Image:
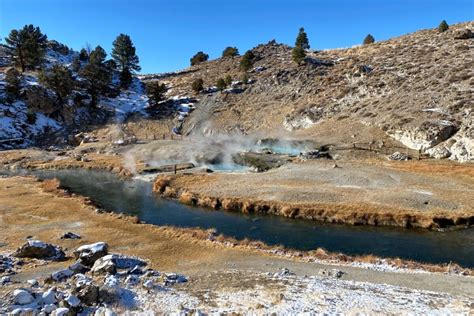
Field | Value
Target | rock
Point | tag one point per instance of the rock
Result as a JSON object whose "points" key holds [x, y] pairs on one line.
{"points": [[82, 280], [70, 235], [104, 265], [39, 250], [135, 270], [5, 280], [89, 294], [22, 297], [73, 300], [61, 275], [49, 297], [88, 254], [426, 135], [463, 34], [335, 273], [132, 280], [78, 267], [32, 282], [49, 308], [173, 278], [62, 311], [109, 292], [148, 284], [23, 311], [283, 272], [104, 311], [397, 156], [439, 152]]}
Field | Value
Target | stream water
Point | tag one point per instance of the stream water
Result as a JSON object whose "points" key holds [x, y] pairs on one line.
{"points": [[135, 197]]}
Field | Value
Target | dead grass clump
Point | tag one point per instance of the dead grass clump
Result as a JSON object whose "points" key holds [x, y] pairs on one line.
{"points": [[50, 185], [188, 198]]}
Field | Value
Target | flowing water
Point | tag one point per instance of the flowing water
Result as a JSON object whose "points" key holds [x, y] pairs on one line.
{"points": [[135, 197]]}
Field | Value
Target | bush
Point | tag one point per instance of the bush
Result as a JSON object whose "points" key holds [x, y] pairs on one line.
{"points": [[245, 78], [198, 58], [155, 91], [12, 84], [369, 39], [230, 52], [220, 84], [59, 79], [228, 80], [197, 85], [247, 61], [443, 26]]}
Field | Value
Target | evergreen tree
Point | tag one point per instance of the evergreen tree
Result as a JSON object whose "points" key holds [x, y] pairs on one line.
{"points": [[302, 39], [12, 84], [220, 84], [83, 55], [155, 91], [28, 45], [123, 53], [369, 39], [198, 58], [245, 78], [197, 85], [96, 74], [230, 52], [443, 26], [298, 54], [76, 64], [247, 61], [59, 79]]}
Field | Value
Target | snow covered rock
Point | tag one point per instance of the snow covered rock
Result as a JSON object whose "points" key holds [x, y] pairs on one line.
{"points": [[104, 311], [73, 300], [39, 250], [61, 275], [88, 254], [49, 308], [22, 297], [62, 311], [104, 265], [49, 297]]}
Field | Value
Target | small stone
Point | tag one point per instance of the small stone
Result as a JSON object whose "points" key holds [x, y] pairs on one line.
{"points": [[73, 300], [22, 297], [49, 308], [61, 275], [148, 284], [132, 279], [5, 280], [22, 311], [62, 311], [32, 282], [70, 235]]}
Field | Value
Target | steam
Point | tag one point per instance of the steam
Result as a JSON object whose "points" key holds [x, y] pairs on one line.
{"points": [[130, 163]]}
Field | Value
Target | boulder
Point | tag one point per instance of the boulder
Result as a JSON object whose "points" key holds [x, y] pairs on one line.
{"points": [[89, 294], [62, 311], [72, 300], [463, 34], [78, 267], [39, 250], [398, 156], [104, 311], [88, 254], [109, 292], [49, 308], [49, 297], [104, 265], [22, 297]]}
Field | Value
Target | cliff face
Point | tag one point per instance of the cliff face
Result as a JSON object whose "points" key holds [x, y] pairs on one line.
{"points": [[416, 88]]}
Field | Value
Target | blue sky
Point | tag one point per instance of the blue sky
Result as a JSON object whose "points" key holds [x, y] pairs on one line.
{"points": [[168, 33]]}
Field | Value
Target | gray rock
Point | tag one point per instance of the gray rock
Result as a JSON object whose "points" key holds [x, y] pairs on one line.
{"points": [[88, 294], [49, 308], [22, 297], [49, 297], [104, 311], [70, 235], [110, 291], [23, 311], [5, 280], [61, 311], [88, 254], [39, 250], [78, 267], [61, 275], [104, 265]]}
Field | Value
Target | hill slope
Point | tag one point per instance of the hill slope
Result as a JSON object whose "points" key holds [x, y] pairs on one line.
{"points": [[416, 89]]}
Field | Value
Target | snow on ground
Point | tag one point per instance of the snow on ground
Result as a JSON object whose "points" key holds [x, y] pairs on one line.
{"points": [[133, 100]]}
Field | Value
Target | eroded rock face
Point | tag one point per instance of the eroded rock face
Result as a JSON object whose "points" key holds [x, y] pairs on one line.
{"points": [[462, 149], [424, 136], [39, 250]]}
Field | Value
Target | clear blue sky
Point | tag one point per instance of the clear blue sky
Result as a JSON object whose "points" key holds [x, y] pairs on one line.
{"points": [[168, 33]]}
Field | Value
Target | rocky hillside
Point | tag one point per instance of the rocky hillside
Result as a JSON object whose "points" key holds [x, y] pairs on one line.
{"points": [[416, 89]]}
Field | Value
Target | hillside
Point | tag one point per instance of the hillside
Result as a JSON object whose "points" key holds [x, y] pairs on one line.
{"points": [[416, 89]]}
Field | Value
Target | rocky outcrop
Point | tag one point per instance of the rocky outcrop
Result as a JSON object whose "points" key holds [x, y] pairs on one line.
{"points": [[426, 135], [88, 254]]}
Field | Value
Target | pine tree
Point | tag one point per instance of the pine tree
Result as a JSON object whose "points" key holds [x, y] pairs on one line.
{"points": [[198, 58], [83, 55], [12, 84], [230, 52], [155, 91], [124, 54], [443, 26], [197, 85], [96, 74], [247, 61], [59, 79], [298, 54], [228, 80], [28, 45], [220, 84], [369, 39], [302, 39]]}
